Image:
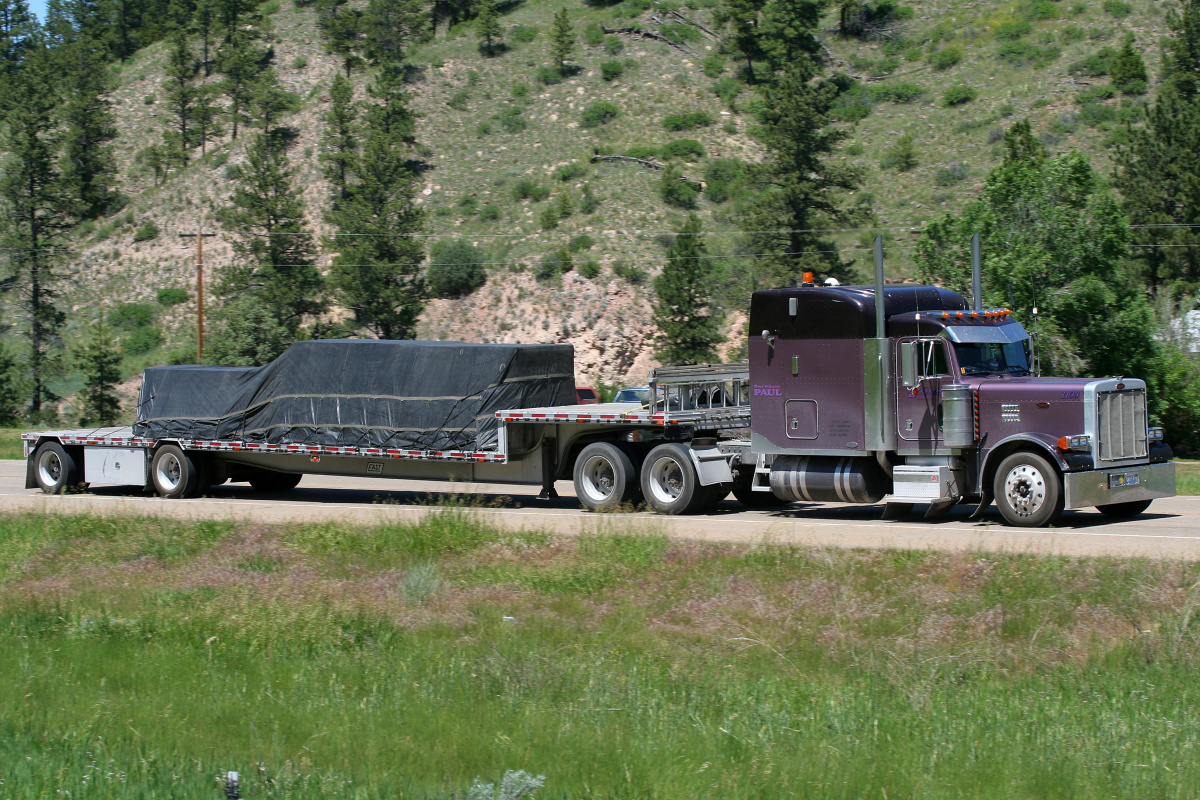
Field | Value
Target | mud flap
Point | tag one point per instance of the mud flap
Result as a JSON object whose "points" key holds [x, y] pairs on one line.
{"points": [[30, 481], [896, 510], [984, 502]]}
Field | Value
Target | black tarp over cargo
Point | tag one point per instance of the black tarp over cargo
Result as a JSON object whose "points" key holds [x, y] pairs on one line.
{"points": [[359, 393]]}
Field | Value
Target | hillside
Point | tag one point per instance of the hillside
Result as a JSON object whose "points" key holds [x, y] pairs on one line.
{"points": [[1016, 56]]}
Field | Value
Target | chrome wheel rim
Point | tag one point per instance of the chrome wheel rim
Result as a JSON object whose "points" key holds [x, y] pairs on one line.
{"points": [[666, 480], [1025, 490], [168, 471], [49, 468], [599, 478]]}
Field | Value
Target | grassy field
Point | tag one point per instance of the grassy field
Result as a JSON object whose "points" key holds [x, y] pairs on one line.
{"points": [[144, 657], [10, 442]]}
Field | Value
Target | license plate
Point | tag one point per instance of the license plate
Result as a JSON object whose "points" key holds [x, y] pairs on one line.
{"points": [[1123, 479]]}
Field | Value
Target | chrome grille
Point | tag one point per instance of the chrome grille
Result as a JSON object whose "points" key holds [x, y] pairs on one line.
{"points": [[1121, 423]]}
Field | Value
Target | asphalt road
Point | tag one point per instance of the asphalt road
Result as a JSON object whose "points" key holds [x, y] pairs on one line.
{"points": [[1169, 529]]}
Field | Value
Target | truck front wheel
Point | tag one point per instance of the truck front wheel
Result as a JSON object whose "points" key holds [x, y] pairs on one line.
{"points": [[669, 481], [1028, 490], [174, 473], [605, 477], [55, 469]]}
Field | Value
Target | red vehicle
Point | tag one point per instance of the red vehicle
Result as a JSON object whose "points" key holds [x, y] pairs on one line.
{"points": [[586, 396]]}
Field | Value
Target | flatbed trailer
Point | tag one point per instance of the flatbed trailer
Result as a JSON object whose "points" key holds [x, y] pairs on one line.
{"points": [[597, 446]]}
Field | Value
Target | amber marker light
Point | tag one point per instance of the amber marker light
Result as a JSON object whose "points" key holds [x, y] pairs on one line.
{"points": [[1063, 444]]}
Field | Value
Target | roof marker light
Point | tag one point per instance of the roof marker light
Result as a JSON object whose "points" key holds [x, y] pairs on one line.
{"points": [[961, 315]]}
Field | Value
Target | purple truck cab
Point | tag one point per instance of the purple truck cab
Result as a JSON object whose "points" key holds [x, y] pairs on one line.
{"points": [[928, 401]]}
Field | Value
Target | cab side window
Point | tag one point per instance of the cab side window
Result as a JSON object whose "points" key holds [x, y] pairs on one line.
{"points": [[933, 358]]}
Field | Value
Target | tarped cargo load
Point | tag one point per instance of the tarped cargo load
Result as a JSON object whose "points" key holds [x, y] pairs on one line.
{"points": [[359, 393]]}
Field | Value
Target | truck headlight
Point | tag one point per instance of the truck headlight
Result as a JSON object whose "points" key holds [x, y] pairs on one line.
{"points": [[1081, 443], [1154, 434]]}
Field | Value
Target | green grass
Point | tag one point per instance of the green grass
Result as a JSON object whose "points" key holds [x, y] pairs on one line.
{"points": [[1187, 476], [10, 443], [144, 657]]}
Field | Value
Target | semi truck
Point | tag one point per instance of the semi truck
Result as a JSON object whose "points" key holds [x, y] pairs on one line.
{"points": [[897, 395]]}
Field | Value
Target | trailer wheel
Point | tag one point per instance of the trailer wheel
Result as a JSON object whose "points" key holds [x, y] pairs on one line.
{"points": [[55, 469], [1028, 490], [669, 481], [266, 480], [1124, 510], [605, 477], [174, 473]]}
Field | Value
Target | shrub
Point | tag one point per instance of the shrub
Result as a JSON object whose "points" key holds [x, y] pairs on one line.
{"points": [[853, 104], [131, 316], [589, 270], [1094, 66], [643, 151], [721, 175], [727, 89], [549, 75], [1039, 9], [680, 32], [171, 296], [148, 99], [611, 70], [952, 173], [455, 268], [902, 156], [589, 203], [146, 232], [613, 46], [958, 95], [141, 340], [677, 192], [630, 273], [896, 92], [489, 213], [299, 62], [520, 90], [592, 35], [581, 242], [945, 58], [1094, 94], [459, 101], [713, 66], [1117, 8], [1011, 31], [600, 113], [512, 119], [569, 172], [1019, 53], [529, 189], [553, 265], [483, 129], [549, 218], [686, 121], [524, 33], [687, 149]]}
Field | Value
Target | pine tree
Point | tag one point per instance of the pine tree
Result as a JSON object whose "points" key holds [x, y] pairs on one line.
{"points": [[1127, 70], [180, 85], [487, 25], [1181, 52], [800, 190], [339, 141], [342, 29], [206, 115], [99, 358], [269, 101], [689, 326], [10, 388], [562, 41], [89, 126], [742, 17], [36, 206], [204, 20], [239, 62], [17, 25], [378, 276], [391, 26], [275, 254]]}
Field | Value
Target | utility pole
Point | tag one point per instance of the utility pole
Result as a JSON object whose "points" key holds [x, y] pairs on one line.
{"points": [[199, 290]]}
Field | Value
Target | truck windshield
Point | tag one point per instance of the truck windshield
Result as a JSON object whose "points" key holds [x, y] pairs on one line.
{"points": [[992, 359]]}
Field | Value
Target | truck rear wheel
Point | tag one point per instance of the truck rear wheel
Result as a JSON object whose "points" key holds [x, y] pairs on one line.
{"points": [[55, 469], [270, 481], [1028, 490], [605, 477], [670, 483], [1124, 510], [174, 473]]}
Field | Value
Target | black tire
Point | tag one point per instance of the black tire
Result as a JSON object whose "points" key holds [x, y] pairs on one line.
{"points": [[743, 477], [174, 473], [669, 481], [605, 477], [54, 469], [1028, 490], [1124, 510], [266, 480]]}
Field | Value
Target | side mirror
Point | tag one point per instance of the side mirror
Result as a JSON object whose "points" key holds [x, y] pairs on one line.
{"points": [[909, 361]]}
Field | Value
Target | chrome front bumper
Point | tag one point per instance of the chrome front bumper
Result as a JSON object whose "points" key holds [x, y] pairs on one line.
{"points": [[1099, 488]]}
